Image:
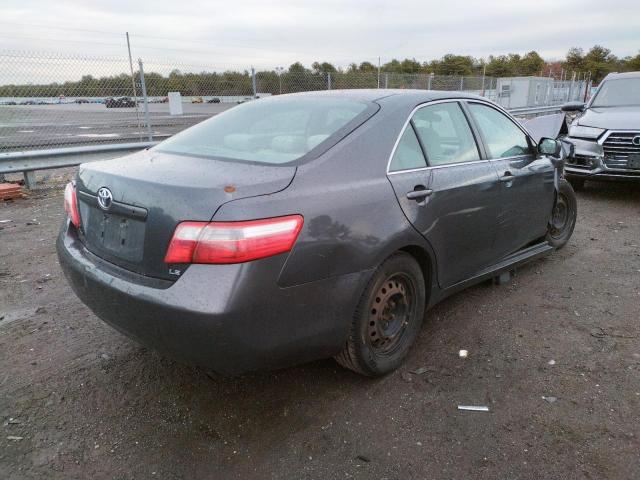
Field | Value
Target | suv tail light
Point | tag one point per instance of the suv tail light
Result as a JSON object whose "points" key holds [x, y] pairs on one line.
{"points": [[233, 242], [71, 204]]}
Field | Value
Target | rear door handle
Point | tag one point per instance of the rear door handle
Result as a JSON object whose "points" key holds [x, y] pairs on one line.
{"points": [[419, 194]]}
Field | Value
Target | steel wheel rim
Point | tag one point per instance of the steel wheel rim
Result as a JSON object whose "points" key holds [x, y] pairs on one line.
{"points": [[390, 312], [561, 216]]}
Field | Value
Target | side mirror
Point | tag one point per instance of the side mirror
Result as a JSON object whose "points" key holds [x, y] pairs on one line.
{"points": [[573, 107], [556, 150]]}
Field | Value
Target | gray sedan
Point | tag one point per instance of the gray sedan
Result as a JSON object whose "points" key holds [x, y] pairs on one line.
{"points": [[311, 225]]}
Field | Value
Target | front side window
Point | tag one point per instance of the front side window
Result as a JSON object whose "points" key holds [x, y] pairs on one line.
{"points": [[445, 134], [504, 139], [408, 154], [618, 92], [270, 131]]}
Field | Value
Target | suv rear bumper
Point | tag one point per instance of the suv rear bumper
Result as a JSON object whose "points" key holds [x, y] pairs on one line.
{"points": [[227, 318]]}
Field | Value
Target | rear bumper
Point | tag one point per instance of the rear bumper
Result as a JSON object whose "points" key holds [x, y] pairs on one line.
{"points": [[227, 318]]}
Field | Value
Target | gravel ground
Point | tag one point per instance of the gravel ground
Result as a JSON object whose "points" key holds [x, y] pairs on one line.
{"points": [[554, 354]]}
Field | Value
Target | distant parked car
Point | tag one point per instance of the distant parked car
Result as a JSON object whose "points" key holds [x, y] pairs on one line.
{"points": [[606, 135], [311, 225], [81, 100], [122, 102], [197, 100], [214, 100]]}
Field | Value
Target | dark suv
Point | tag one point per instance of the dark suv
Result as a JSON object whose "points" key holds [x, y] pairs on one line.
{"points": [[607, 133]]}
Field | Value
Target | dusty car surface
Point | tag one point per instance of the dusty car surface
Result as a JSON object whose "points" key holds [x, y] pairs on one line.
{"points": [[311, 225], [607, 134]]}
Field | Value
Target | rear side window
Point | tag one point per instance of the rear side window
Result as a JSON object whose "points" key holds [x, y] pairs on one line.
{"points": [[270, 131], [408, 154], [504, 139], [445, 134]]}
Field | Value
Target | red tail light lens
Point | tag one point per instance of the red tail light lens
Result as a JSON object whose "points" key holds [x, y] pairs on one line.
{"points": [[233, 242], [71, 204]]}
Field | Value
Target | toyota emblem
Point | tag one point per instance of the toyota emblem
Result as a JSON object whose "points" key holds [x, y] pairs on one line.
{"points": [[105, 198], [636, 140]]}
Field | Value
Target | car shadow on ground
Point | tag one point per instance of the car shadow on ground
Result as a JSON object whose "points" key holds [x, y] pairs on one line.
{"points": [[626, 191]]}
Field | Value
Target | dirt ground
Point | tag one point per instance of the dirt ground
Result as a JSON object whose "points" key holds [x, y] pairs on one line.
{"points": [[554, 354]]}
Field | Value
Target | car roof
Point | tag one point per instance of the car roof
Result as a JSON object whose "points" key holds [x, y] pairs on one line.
{"points": [[615, 76], [397, 96]]}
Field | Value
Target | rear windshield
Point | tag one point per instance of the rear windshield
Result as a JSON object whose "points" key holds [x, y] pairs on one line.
{"points": [[272, 131], [618, 93]]}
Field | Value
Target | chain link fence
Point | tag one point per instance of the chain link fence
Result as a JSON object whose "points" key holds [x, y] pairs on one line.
{"points": [[54, 101]]}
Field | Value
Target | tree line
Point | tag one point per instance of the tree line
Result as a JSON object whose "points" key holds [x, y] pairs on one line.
{"points": [[406, 73]]}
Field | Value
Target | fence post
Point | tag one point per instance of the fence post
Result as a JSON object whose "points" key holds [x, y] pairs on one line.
{"points": [[386, 80], [510, 91], [461, 82], [143, 86], [253, 82], [328, 80], [133, 83]]}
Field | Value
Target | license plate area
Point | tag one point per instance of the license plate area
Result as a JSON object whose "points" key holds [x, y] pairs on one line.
{"points": [[114, 234], [634, 161]]}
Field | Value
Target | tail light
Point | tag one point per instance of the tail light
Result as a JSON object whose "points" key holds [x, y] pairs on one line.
{"points": [[71, 204], [233, 242]]}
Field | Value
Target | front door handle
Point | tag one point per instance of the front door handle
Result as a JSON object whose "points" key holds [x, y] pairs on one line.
{"points": [[419, 193], [507, 177]]}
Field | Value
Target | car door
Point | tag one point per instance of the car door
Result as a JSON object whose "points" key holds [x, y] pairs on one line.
{"points": [[526, 189], [447, 189]]}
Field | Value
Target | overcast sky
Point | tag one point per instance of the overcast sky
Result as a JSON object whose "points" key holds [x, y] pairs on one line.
{"points": [[238, 34]]}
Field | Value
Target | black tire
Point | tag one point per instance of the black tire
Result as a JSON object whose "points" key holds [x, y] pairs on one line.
{"points": [[576, 183], [387, 319], [563, 216]]}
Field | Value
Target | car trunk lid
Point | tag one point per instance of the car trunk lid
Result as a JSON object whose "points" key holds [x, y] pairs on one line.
{"points": [[151, 192]]}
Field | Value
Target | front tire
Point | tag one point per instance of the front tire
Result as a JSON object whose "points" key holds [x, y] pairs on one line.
{"points": [[387, 318], [563, 216]]}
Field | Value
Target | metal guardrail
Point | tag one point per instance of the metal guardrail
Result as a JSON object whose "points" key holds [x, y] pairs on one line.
{"points": [[533, 111], [27, 162]]}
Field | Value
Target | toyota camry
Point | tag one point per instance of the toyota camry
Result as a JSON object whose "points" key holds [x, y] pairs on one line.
{"points": [[311, 225]]}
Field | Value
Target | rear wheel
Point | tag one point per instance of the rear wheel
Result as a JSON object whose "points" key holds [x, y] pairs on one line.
{"points": [[563, 216], [387, 319]]}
